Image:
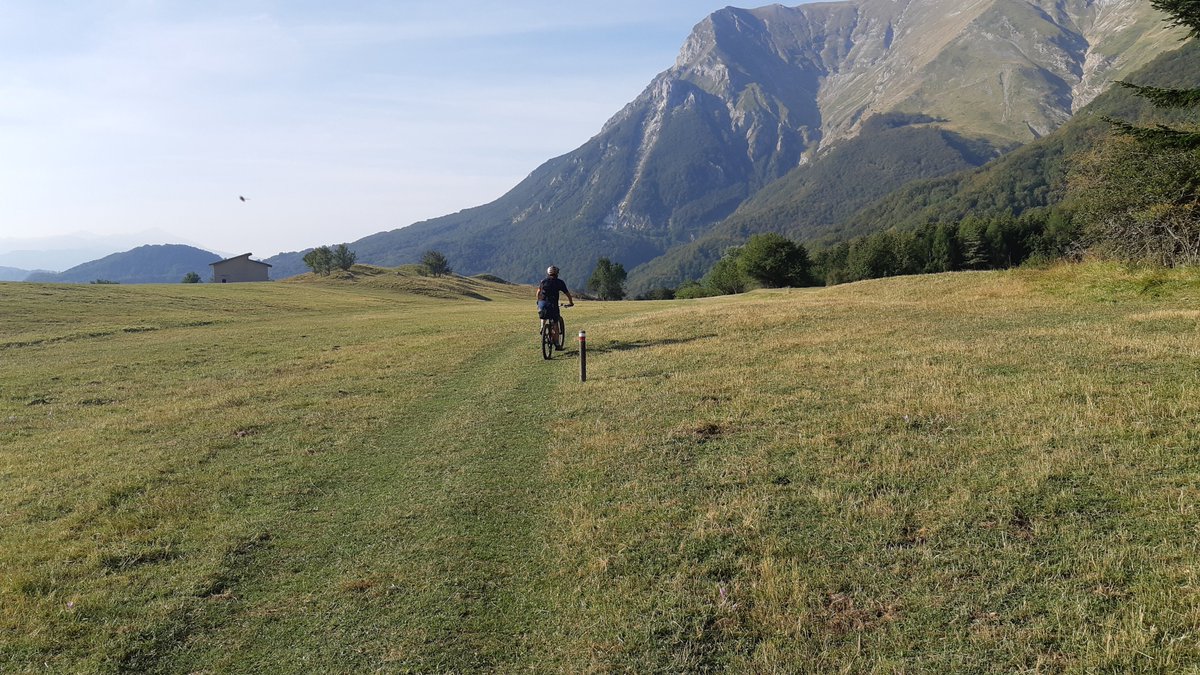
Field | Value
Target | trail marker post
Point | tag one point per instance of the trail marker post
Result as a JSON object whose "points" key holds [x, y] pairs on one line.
{"points": [[583, 356]]}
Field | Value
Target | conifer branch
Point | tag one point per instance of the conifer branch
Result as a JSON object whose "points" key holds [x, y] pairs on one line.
{"points": [[1165, 98], [1159, 135], [1182, 13]]}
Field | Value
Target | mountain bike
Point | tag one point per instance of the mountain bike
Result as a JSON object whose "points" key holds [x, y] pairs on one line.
{"points": [[553, 334]]}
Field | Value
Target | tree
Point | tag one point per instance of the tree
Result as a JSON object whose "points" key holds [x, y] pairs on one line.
{"points": [[1140, 203], [319, 260], [726, 277], [831, 264], [945, 251], [608, 280], [343, 258], [191, 278], [774, 261], [1139, 196], [1185, 13], [971, 234], [872, 257], [435, 264]]}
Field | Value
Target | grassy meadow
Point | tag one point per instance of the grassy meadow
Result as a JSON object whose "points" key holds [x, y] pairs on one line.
{"points": [[974, 472]]}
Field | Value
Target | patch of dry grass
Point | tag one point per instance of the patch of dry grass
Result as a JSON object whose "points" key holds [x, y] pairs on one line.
{"points": [[970, 471], [981, 472]]}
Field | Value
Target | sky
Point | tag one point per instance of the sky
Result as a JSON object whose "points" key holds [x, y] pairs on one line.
{"points": [[335, 120]]}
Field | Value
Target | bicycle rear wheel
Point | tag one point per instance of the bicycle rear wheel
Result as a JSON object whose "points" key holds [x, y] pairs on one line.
{"points": [[547, 341]]}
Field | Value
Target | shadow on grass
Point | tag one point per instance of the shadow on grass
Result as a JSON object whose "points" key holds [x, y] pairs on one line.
{"points": [[621, 346]]}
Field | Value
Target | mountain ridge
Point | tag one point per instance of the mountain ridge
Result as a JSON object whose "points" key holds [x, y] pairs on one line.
{"points": [[758, 93]]}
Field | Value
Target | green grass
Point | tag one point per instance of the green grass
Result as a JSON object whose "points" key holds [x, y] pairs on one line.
{"points": [[971, 472]]}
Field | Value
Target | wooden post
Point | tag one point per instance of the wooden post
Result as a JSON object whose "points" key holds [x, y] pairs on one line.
{"points": [[583, 356]]}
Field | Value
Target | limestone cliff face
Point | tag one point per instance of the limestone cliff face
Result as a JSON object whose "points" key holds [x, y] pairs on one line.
{"points": [[997, 67], [786, 83]]}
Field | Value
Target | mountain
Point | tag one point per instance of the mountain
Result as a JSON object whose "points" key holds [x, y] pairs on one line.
{"points": [[151, 264], [757, 94], [892, 151], [1033, 176]]}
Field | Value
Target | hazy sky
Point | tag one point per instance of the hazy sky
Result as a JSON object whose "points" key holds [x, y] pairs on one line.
{"points": [[334, 119]]}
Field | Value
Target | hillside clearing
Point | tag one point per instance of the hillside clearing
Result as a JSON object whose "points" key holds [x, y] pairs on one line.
{"points": [[983, 471]]}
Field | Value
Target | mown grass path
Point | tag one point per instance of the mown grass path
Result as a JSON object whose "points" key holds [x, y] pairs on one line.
{"points": [[421, 548], [425, 540]]}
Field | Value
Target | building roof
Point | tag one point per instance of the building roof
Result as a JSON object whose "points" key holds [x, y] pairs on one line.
{"points": [[239, 257]]}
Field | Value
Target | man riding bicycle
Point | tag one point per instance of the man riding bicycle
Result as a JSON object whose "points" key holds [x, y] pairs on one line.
{"points": [[547, 300]]}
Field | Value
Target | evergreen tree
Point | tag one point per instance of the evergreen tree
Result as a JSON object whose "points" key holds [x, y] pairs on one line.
{"points": [[1140, 196], [974, 253], [831, 264], [1184, 13], [971, 235], [1141, 204]]}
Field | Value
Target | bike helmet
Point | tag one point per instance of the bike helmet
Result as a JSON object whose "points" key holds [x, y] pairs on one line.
{"points": [[552, 270]]}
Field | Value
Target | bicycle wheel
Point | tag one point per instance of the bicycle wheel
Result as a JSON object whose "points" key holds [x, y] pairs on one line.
{"points": [[547, 341], [562, 333]]}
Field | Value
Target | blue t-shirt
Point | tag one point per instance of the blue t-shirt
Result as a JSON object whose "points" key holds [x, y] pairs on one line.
{"points": [[551, 287]]}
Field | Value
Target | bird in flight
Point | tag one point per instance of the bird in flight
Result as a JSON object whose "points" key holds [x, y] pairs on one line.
{"points": [[241, 198]]}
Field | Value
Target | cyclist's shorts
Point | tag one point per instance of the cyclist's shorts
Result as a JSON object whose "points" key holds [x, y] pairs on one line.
{"points": [[547, 310]]}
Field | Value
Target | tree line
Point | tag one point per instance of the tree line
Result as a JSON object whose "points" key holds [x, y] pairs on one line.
{"points": [[974, 243]]}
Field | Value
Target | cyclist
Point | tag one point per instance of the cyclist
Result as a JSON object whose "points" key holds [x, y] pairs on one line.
{"points": [[547, 300]]}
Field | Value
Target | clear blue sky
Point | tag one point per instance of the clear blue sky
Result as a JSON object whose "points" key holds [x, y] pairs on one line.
{"points": [[334, 119]]}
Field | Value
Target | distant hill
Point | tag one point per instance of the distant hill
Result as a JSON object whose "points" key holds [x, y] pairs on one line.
{"points": [[151, 264], [13, 274]]}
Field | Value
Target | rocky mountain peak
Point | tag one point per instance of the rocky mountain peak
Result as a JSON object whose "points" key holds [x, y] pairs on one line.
{"points": [[757, 94]]}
